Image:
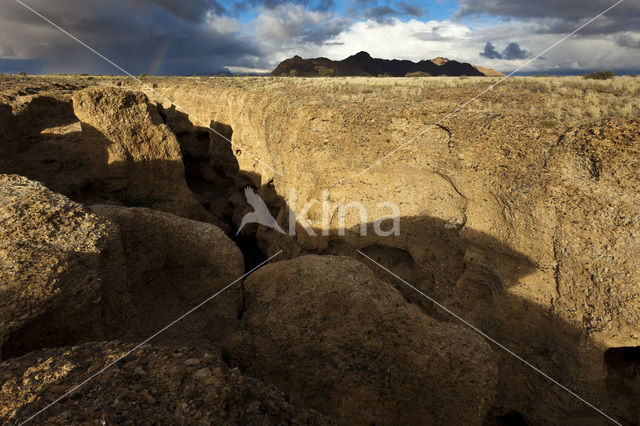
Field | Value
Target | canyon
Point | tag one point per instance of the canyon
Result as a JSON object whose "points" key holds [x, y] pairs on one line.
{"points": [[121, 201]]}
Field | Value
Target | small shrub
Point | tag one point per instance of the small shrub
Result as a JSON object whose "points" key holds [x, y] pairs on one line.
{"points": [[540, 75], [600, 75], [142, 75], [84, 74], [293, 72], [325, 72], [417, 74], [22, 73]]}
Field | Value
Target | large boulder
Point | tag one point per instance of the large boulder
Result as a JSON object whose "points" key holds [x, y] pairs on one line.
{"points": [[326, 330], [172, 265], [61, 271], [153, 385]]}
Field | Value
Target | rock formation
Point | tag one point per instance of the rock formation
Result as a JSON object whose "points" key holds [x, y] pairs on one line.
{"points": [[100, 144], [525, 225], [362, 64], [528, 229], [327, 330]]}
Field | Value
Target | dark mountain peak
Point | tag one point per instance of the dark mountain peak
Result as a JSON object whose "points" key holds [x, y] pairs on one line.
{"points": [[362, 55], [359, 57]]}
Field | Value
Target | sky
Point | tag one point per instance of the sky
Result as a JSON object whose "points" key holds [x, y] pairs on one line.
{"points": [[186, 37]]}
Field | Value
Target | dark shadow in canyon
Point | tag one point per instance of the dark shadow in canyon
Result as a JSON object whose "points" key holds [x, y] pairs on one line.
{"points": [[459, 271], [213, 174]]}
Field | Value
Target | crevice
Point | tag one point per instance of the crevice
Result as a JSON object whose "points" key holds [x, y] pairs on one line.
{"points": [[511, 418], [623, 368], [213, 175], [623, 379]]}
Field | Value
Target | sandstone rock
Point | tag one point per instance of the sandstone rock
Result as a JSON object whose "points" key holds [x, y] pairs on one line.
{"points": [[61, 270], [172, 265], [143, 151], [105, 144], [169, 394], [326, 330]]}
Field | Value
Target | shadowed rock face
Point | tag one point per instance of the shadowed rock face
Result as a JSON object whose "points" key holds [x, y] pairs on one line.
{"points": [[362, 64], [343, 341], [173, 264], [70, 274]]}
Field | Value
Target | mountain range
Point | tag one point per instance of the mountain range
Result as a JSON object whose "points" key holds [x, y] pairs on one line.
{"points": [[362, 64]]}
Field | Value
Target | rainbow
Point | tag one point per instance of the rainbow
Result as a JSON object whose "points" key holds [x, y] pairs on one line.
{"points": [[158, 59]]}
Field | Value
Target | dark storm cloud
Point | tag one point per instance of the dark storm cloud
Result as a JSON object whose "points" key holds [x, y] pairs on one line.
{"points": [[511, 52], [372, 9], [319, 33], [294, 25], [561, 16], [322, 5], [490, 52], [379, 12], [411, 10], [192, 10], [139, 35]]}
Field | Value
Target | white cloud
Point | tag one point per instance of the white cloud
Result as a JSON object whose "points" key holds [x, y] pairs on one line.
{"points": [[416, 40], [395, 39], [599, 51], [244, 70], [291, 29]]}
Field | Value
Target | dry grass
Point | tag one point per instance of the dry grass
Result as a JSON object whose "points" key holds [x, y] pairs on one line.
{"points": [[565, 100]]}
